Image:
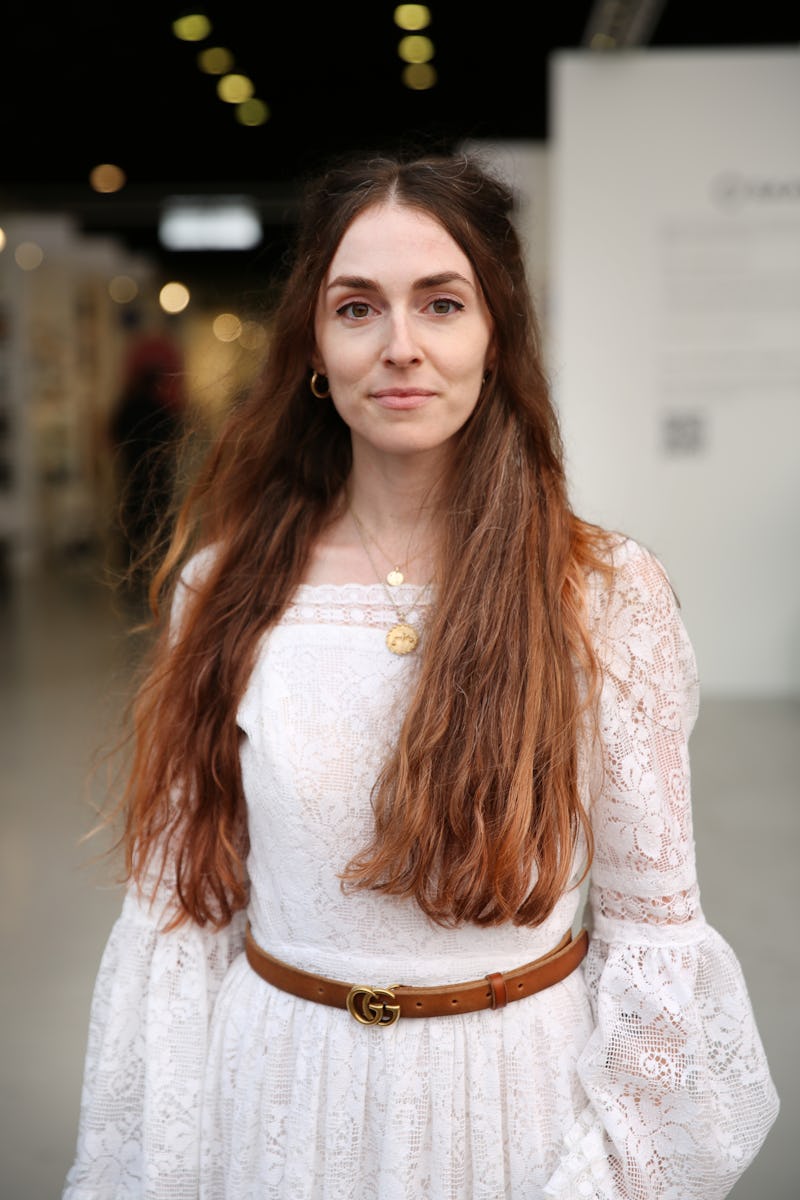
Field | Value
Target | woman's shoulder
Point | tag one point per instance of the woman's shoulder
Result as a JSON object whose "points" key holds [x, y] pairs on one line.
{"points": [[191, 578], [627, 567], [637, 625], [630, 590], [197, 568]]}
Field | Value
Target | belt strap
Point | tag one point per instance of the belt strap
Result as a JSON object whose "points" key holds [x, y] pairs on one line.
{"points": [[383, 1005]]}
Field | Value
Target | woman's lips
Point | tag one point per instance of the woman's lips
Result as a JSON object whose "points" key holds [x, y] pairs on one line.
{"points": [[401, 398]]}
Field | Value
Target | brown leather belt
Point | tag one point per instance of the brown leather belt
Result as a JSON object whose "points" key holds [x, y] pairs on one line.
{"points": [[383, 1006]]}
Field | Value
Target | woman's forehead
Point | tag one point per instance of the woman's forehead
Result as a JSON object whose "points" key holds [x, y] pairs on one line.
{"points": [[391, 233]]}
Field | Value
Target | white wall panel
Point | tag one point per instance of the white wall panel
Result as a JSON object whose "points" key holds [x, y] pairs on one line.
{"points": [[674, 320]]}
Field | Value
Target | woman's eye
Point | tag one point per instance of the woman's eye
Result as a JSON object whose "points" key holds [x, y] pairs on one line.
{"points": [[358, 309], [442, 306]]}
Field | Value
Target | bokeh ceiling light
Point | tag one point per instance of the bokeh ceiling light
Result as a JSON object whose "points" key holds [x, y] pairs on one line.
{"points": [[192, 27], [253, 336], [227, 327], [415, 49], [216, 60], [252, 112], [107, 177], [419, 76], [215, 223], [28, 256], [174, 297], [122, 289], [412, 16], [234, 89], [2, 240]]}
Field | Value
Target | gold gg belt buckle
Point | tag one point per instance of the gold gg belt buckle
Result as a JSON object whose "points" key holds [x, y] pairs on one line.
{"points": [[369, 1005]]}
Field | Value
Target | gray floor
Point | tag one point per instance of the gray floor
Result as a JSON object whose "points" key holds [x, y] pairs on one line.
{"points": [[64, 667]]}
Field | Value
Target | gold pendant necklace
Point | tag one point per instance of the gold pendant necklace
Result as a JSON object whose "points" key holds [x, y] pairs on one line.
{"points": [[403, 637], [395, 576]]}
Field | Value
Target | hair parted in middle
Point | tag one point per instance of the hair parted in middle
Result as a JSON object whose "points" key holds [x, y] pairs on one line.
{"points": [[476, 811]]}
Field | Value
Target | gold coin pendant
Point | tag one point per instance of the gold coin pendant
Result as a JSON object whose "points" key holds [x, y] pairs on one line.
{"points": [[395, 577], [402, 638]]}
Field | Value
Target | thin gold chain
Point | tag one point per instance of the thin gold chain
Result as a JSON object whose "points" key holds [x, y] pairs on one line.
{"points": [[403, 637], [401, 616], [395, 576]]}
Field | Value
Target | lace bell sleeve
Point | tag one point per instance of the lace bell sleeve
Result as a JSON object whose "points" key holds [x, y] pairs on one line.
{"points": [[679, 1093], [154, 993]]}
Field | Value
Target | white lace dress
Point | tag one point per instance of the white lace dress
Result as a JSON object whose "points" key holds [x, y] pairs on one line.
{"points": [[640, 1076]]}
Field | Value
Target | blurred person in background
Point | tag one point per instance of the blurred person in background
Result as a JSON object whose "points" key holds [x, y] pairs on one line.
{"points": [[147, 425], [404, 702]]}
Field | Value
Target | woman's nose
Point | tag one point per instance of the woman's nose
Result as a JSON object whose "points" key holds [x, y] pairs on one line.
{"points": [[401, 347]]}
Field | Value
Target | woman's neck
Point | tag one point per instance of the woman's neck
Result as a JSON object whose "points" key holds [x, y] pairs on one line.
{"points": [[397, 496], [387, 521]]}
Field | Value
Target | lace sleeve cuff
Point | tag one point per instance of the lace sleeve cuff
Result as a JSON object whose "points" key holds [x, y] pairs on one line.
{"points": [[151, 1008], [675, 1075]]}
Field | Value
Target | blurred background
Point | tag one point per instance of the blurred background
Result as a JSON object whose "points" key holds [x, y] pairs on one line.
{"points": [[152, 158]]}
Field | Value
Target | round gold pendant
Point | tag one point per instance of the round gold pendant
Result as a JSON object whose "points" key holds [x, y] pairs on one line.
{"points": [[395, 577], [402, 638]]}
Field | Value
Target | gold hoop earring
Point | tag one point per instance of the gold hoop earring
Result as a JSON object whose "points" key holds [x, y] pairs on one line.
{"points": [[320, 393]]}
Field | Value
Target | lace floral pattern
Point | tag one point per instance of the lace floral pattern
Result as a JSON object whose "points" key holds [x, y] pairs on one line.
{"points": [[640, 1077]]}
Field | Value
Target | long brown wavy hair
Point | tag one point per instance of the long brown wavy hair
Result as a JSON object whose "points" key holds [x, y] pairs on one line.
{"points": [[477, 811]]}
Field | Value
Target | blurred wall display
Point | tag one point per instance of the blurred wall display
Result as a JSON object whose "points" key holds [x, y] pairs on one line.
{"points": [[675, 331], [60, 336]]}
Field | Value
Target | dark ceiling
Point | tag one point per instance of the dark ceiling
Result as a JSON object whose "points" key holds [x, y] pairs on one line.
{"points": [[109, 82]]}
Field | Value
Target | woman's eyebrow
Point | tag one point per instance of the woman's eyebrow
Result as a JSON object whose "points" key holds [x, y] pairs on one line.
{"points": [[360, 283], [354, 281], [441, 280]]}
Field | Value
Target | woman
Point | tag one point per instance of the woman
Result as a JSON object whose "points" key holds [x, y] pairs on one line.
{"points": [[405, 702]]}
